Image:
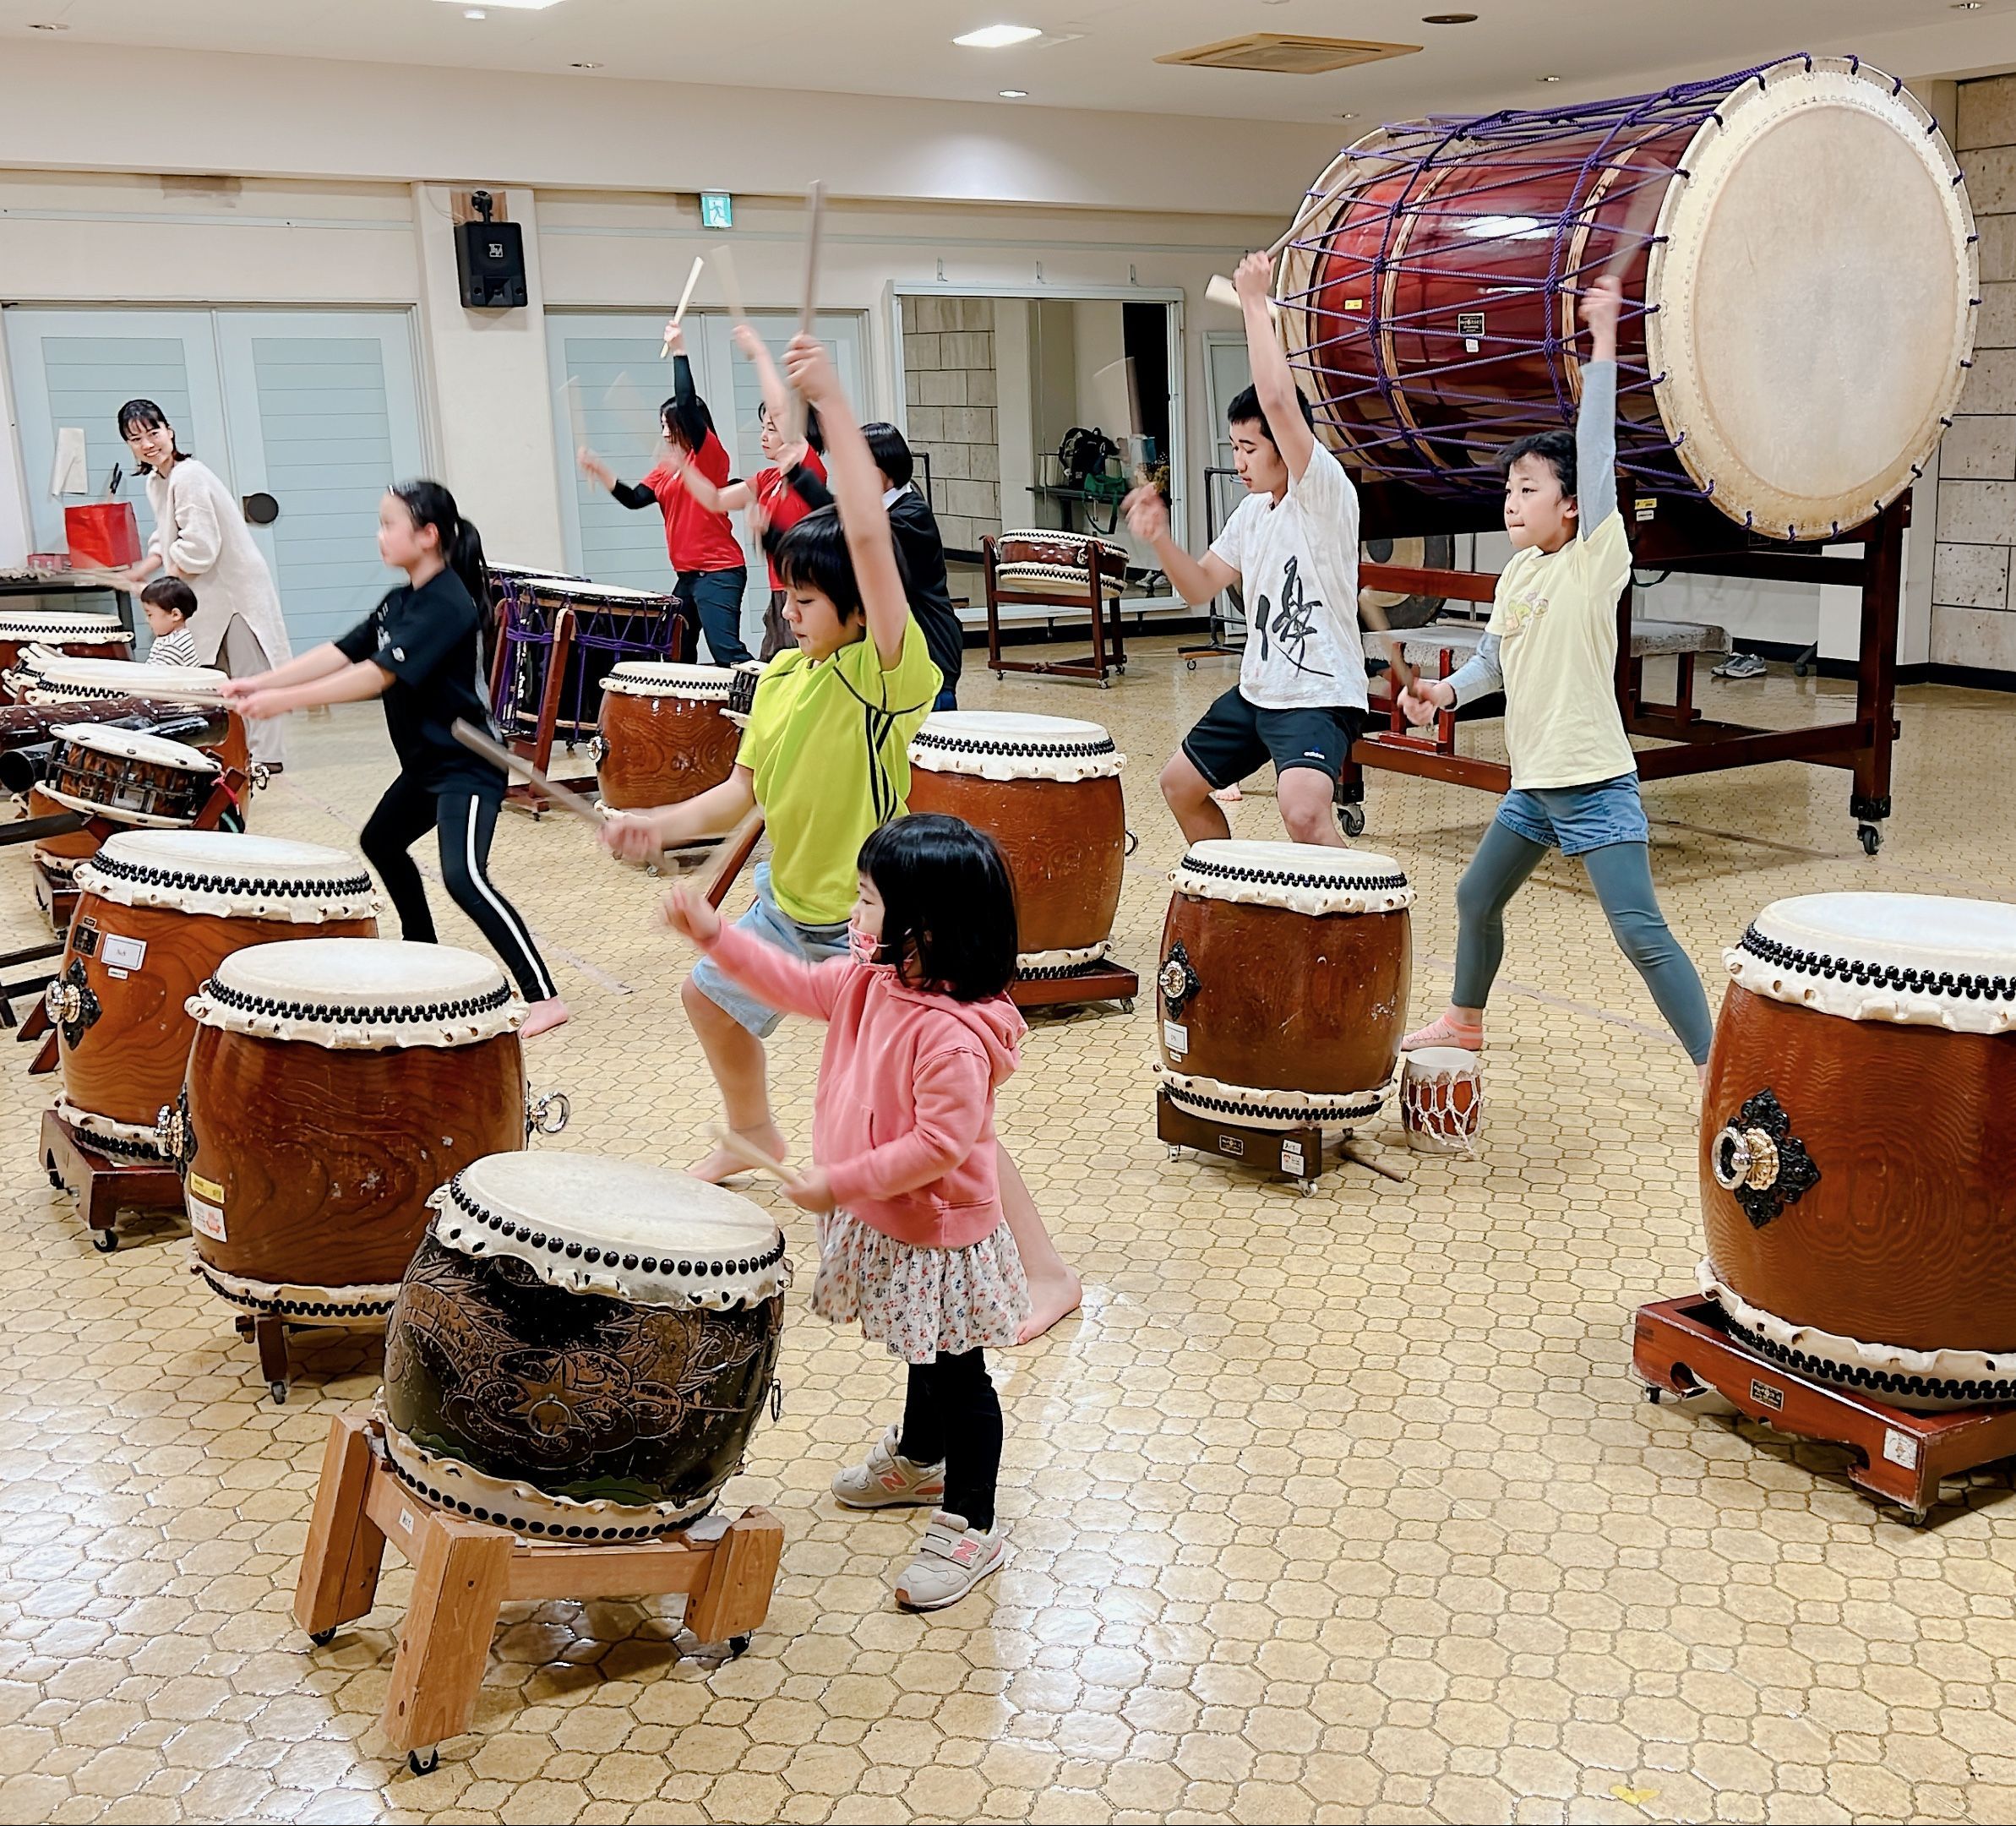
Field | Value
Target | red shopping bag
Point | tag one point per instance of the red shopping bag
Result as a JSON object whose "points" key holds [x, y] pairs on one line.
{"points": [[103, 536]]}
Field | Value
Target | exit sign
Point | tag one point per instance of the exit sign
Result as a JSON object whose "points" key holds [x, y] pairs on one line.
{"points": [[716, 209]]}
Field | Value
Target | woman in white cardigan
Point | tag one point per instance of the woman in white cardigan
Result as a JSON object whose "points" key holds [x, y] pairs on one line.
{"points": [[200, 536]]}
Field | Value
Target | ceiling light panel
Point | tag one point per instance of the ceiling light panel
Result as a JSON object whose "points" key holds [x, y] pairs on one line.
{"points": [[998, 38]]}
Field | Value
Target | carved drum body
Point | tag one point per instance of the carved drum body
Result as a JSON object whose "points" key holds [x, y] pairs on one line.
{"points": [[1047, 789], [158, 911], [334, 1085], [1284, 984], [1043, 560], [46, 680], [1857, 1133], [130, 777], [582, 1346], [666, 734]]}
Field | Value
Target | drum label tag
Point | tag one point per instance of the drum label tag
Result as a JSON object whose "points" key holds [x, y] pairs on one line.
{"points": [[204, 1188], [123, 953], [1291, 1159], [1647, 506], [1176, 1037], [84, 939], [1900, 1448], [205, 1218], [1765, 1395]]}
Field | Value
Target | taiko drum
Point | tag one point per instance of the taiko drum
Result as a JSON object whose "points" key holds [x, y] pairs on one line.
{"points": [[666, 734], [1047, 789], [77, 636], [1857, 1132]]}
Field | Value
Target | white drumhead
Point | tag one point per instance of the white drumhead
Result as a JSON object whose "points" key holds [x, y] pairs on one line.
{"points": [[1814, 286], [60, 675], [1427, 1061], [1925, 959], [578, 589], [360, 974], [230, 857], [229, 876], [1012, 745], [654, 677], [596, 1223], [1308, 878], [101, 630], [135, 745]]}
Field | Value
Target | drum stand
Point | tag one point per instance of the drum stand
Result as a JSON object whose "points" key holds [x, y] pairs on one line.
{"points": [[1100, 604], [1102, 980], [1297, 1153], [465, 1571], [1682, 1347], [106, 1183]]}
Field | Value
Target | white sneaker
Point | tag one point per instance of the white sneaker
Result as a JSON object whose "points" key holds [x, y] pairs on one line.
{"points": [[951, 1559], [886, 1478]]}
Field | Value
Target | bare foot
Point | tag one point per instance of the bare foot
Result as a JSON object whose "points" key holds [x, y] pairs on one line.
{"points": [[552, 1012], [1230, 795], [1055, 1297], [721, 1164]]}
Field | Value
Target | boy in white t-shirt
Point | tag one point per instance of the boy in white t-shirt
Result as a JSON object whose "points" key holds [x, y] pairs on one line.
{"points": [[1292, 547]]}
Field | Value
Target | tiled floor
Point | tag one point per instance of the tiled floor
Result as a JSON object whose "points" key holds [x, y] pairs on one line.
{"points": [[1330, 1508]]}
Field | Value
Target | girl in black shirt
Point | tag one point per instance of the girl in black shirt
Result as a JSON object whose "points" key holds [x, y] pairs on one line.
{"points": [[422, 651]]}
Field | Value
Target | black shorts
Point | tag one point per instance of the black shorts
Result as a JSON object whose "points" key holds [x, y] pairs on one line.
{"points": [[1235, 737]]}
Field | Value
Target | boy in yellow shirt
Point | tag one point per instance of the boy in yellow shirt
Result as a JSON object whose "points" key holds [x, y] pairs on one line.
{"points": [[1552, 648]]}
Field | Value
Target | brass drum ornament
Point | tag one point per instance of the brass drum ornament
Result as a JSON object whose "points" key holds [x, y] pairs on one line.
{"points": [[1857, 1132], [583, 1346]]}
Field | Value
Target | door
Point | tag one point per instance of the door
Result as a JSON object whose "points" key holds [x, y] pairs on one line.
{"points": [[1228, 373]]}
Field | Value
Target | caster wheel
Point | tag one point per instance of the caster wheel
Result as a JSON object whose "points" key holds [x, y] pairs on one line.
{"points": [[1655, 1395], [323, 1637], [1175, 1153], [1872, 836], [1352, 818], [104, 1241], [738, 1645], [1305, 1188], [1127, 1005], [279, 1393], [1189, 665], [419, 1767]]}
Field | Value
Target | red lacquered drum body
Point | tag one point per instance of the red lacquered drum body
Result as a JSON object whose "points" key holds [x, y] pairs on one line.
{"points": [[1771, 356], [1857, 1135], [334, 1084], [666, 735], [1284, 978], [158, 911], [1047, 790]]}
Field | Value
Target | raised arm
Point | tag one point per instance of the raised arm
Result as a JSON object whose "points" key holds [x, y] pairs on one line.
{"points": [[857, 493], [1596, 422], [1272, 378], [776, 397], [1196, 581]]}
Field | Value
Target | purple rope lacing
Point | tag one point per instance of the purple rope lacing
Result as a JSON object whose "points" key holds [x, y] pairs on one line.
{"points": [[1414, 150]]}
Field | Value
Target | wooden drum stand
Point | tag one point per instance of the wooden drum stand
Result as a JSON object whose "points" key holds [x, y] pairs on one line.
{"points": [[465, 1571]]}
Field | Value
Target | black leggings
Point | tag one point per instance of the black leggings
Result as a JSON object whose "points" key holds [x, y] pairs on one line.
{"points": [[951, 1415], [464, 821]]}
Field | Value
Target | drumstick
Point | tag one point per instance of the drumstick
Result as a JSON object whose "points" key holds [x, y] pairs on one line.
{"points": [[1637, 227], [815, 209], [736, 848], [1373, 612], [1220, 290], [724, 270], [750, 1154], [477, 741], [692, 280], [1114, 384], [1349, 1153]]}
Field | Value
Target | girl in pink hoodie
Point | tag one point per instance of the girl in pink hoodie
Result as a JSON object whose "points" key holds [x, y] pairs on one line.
{"points": [[920, 1035]]}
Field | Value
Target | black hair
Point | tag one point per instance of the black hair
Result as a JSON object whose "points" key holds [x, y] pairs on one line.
{"points": [[890, 451], [1556, 449], [144, 415], [687, 422], [948, 905], [812, 555], [461, 544], [1245, 410], [172, 594], [815, 432]]}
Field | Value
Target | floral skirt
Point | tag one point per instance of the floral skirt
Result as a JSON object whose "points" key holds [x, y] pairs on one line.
{"points": [[921, 1303]]}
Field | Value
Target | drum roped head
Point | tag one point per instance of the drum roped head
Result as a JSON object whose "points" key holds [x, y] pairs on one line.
{"points": [[225, 876], [653, 678], [1304, 878], [623, 1228], [1008, 745], [366, 993]]}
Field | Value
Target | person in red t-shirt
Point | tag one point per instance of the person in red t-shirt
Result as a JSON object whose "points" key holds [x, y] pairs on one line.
{"points": [[707, 562], [772, 504]]}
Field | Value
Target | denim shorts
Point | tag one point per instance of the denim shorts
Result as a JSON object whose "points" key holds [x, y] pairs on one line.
{"points": [[1574, 819], [769, 922]]}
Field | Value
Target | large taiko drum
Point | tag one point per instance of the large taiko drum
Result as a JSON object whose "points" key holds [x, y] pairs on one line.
{"points": [[1282, 990], [79, 636], [334, 1085], [1043, 560], [583, 1346], [665, 735], [1047, 789], [1857, 1133], [128, 777], [1800, 273], [157, 911]]}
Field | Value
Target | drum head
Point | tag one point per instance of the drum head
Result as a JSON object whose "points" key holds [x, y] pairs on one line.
{"points": [[1815, 292], [101, 630], [654, 677], [592, 1223], [1427, 1061], [1011, 745], [134, 744], [216, 873], [369, 993], [60, 675], [1306, 878], [1928, 959]]}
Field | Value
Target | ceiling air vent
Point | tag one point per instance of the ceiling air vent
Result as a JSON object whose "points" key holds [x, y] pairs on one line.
{"points": [[1287, 53]]}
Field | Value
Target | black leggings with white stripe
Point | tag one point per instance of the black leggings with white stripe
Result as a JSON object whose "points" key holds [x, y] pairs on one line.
{"points": [[464, 822]]}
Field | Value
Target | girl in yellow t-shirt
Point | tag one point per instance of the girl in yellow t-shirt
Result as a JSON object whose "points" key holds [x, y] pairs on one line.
{"points": [[1552, 649]]}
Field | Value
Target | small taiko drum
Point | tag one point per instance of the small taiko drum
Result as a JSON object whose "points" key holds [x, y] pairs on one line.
{"points": [[1283, 990], [79, 636], [1047, 789], [665, 733], [129, 777], [334, 1085], [583, 1346], [157, 911], [1441, 1100], [1032, 559], [1857, 1132]]}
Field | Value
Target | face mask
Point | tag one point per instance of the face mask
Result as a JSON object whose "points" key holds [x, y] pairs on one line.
{"points": [[866, 948]]}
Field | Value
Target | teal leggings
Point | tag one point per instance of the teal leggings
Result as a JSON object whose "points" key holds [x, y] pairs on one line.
{"points": [[1622, 875]]}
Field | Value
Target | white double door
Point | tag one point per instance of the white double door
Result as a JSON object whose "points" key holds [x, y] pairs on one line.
{"points": [[610, 384], [318, 409]]}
